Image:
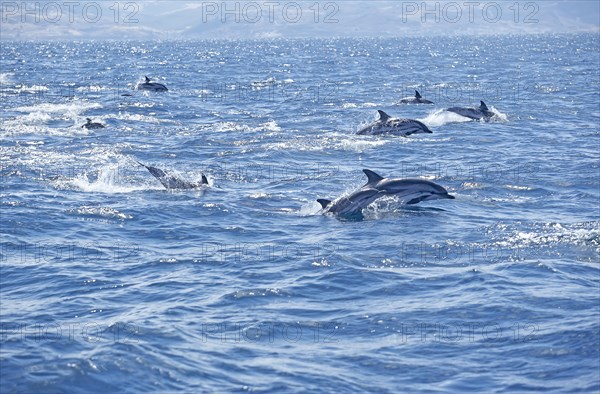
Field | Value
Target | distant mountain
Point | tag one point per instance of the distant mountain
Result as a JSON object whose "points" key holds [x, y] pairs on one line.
{"points": [[259, 19]]}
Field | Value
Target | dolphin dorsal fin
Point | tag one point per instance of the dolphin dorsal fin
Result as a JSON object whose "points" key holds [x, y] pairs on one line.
{"points": [[147, 79], [372, 177], [204, 180], [324, 202], [417, 94], [383, 116], [483, 107]]}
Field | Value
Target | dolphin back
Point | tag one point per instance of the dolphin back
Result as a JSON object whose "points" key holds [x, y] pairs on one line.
{"points": [[152, 86], [385, 124], [482, 112]]}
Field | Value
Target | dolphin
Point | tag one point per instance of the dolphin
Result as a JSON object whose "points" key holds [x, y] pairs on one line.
{"points": [[171, 182], [409, 191], [385, 124], [152, 86], [351, 204], [92, 125], [473, 113], [418, 99]]}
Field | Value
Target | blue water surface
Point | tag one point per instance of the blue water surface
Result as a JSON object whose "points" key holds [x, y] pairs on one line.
{"points": [[111, 283]]}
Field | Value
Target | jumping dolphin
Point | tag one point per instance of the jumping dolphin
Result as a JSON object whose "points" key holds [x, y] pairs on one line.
{"points": [[92, 125], [473, 113], [352, 204], [152, 86], [409, 191], [385, 124], [418, 99], [171, 182]]}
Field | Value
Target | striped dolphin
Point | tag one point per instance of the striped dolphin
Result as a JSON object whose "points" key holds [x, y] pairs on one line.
{"points": [[171, 182], [408, 191], [473, 113], [152, 86], [385, 124], [92, 125], [418, 99]]}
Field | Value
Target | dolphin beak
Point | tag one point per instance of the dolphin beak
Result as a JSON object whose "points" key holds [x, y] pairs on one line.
{"points": [[448, 196]]}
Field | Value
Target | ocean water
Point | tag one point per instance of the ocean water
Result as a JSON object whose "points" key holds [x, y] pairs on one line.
{"points": [[111, 283]]}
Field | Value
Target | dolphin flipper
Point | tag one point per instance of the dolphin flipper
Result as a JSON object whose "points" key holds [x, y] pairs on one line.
{"points": [[416, 200]]}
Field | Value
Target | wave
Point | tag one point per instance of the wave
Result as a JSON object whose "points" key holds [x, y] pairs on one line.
{"points": [[6, 78], [71, 109], [37, 123], [102, 212], [548, 234], [270, 126], [109, 179], [442, 117]]}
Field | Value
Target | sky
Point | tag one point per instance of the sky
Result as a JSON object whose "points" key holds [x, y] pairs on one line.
{"points": [[173, 19]]}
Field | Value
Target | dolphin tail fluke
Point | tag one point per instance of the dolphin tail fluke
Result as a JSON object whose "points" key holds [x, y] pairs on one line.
{"points": [[204, 180], [324, 202], [383, 116], [417, 94], [372, 177]]}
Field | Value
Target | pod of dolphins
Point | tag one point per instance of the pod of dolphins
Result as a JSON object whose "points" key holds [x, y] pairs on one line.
{"points": [[406, 191]]}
